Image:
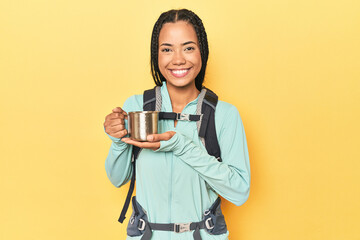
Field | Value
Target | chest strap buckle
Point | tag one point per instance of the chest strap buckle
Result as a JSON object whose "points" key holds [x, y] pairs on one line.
{"points": [[181, 227], [183, 117]]}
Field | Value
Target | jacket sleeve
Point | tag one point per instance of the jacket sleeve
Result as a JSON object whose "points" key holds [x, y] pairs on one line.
{"points": [[118, 162], [229, 178]]}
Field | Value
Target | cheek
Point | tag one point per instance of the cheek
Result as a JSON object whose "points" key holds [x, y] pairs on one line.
{"points": [[162, 62], [198, 60]]}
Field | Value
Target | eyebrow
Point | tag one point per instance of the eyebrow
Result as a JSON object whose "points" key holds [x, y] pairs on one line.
{"points": [[185, 43]]}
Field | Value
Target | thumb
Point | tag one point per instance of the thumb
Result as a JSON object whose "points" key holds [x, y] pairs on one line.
{"points": [[160, 137]]}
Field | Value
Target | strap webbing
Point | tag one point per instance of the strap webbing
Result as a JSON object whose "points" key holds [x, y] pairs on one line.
{"points": [[207, 129], [149, 103], [175, 227], [128, 197], [215, 205], [172, 228], [179, 116], [181, 227]]}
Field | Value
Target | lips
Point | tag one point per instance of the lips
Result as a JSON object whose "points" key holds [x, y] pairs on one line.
{"points": [[179, 73]]}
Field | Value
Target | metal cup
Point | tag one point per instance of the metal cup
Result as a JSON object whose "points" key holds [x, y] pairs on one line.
{"points": [[142, 124]]}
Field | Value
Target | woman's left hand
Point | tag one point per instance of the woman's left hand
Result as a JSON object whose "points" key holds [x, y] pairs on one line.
{"points": [[153, 140]]}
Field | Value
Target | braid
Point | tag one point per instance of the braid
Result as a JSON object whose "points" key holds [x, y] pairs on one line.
{"points": [[154, 54], [174, 16]]}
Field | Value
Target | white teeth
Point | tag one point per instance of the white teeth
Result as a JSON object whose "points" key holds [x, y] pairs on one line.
{"points": [[180, 71]]}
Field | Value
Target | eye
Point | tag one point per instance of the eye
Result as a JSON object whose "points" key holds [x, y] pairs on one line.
{"points": [[165, 50], [190, 48]]}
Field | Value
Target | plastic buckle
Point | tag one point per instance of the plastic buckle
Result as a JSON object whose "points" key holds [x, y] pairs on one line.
{"points": [[142, 225], [181, 227], [207, 223], [132, 220], [183, 117], [207, 212]]}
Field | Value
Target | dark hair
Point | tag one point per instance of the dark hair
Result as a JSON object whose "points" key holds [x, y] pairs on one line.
{"points": [[173, 16]]}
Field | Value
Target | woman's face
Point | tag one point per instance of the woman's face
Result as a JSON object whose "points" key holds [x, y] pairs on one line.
{"points": [[179, 54]]}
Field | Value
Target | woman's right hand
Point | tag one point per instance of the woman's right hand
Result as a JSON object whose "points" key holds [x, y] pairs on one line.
{"points": [[115, 123]]}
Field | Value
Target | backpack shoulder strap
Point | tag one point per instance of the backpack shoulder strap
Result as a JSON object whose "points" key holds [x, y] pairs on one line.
{"points": [[152, 99], [206, 126], [151, 102]]}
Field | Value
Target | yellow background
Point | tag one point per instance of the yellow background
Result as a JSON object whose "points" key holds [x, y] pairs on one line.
{"points": [[292, 68]]}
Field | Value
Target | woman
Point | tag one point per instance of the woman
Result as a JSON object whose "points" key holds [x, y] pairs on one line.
{"points": [[177, 180]]}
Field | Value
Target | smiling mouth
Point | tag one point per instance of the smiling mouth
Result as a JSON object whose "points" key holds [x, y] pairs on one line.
{"points": [[179, 72]]}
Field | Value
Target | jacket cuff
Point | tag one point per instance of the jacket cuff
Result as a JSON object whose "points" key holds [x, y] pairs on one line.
{"points": [[117, 141], [169, 145], [179, 144]]}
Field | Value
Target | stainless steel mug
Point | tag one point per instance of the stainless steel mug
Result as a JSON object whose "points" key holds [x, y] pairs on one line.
{"points": [[142, 123]]}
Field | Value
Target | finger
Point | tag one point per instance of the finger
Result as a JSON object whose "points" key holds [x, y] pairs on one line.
{"points": [[116, 122], [161, 137], [108, 117], [119, 134], [148, 145], [115, 116], [119, 110], [112, 116], [117, 128]]}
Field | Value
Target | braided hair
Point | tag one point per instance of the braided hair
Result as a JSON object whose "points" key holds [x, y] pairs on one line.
{"points": [[173, 16]]}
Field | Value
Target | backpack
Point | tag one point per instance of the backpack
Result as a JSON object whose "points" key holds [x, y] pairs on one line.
{"points": [[205, 118]]}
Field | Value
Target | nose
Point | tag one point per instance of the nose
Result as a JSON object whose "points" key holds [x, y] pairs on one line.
{"points": [[178, 58]]}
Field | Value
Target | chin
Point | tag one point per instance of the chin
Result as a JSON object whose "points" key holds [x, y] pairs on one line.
{"points": [[180, 84]]}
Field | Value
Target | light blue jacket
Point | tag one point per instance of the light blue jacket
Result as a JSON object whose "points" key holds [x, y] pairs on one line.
{"points": [[180, 180]]}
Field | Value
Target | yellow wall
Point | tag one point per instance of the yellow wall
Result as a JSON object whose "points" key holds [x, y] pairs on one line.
{"points": [[291, 67]]}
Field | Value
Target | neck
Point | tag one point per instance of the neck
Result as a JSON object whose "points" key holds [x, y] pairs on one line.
{"points": [[180, 97]]}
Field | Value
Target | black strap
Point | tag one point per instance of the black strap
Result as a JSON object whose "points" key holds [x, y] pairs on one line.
{"points": [[207, 129], [215, 205], [206, 223], [136, 210], [149, 100], [149, 104], [147, 234], [173, 227], [128, 197], [179, 116]]}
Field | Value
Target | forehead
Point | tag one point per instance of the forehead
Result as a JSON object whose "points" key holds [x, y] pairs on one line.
{"points": [[177, 32]]}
